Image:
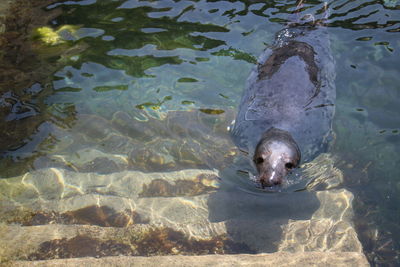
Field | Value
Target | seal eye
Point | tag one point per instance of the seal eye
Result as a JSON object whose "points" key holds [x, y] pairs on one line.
{"points": [[289, 165], [258, 160]]}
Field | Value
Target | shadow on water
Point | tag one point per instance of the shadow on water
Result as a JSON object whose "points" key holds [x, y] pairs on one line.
{"points": [[255, 217]]}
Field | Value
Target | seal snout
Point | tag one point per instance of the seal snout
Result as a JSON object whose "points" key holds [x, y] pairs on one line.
{"points": [[275, 156], [270, 179]]}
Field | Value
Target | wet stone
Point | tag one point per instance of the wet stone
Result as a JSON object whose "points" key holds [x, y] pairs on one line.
{"points": [[117, 144], [155, 241], [93, 215], [104, 216], [44, 162], [50, 185], [165, 241], [38, 188], [94, 137], [131, 127], [101, 166], [146, 159], [90, 160], [79, 246], [168, 154], [13, 190], [21, 65], [162, 188], [180, 215], [93, 127], [188, 153]]}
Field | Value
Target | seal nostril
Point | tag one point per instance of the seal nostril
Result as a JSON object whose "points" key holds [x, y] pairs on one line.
{"points": [[258, 160], [289, 165]]}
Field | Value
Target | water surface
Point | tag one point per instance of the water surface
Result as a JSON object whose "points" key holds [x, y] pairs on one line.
{"points": [[152, 86]]}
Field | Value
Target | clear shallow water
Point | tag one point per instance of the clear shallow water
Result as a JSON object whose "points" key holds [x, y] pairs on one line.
{"points": [[123, 65]]}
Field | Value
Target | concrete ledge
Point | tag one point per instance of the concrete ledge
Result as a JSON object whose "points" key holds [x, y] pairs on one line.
{"points": [[273, 259]]}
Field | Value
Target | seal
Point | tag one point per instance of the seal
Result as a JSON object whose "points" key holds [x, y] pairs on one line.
{"points": [[286, 110]]}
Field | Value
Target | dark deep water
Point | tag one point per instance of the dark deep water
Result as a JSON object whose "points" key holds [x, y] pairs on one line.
{"points": [[98, 64]]}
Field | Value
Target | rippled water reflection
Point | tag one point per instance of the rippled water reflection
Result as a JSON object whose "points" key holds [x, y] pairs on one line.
{"points": [[109, 86]]}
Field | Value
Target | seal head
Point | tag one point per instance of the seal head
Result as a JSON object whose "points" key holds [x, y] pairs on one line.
{"points": [[275, 156]]}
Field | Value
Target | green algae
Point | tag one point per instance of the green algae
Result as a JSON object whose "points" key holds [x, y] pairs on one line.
{"points": [[103, 216], [187, 102], [154, 105], [153, 242], [236, 54], [212, 111], [187, 80], [109, 88], [52, 37]]}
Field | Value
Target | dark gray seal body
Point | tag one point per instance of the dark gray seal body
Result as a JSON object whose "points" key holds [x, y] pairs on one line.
{"points": [[287, 107]]}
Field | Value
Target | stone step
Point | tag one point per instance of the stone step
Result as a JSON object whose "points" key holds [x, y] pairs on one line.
{"points": [[52, 184], [54, 241], [184, 212], [334, 259], [174, 199], [189, 221], [183, 139]]}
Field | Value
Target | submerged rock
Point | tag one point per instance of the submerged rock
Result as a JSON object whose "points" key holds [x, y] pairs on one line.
{"points": [[172, 213], [145, 144], [25, 71], [273, 259]]}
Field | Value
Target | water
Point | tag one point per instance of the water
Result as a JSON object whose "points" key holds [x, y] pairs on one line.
{"points": [[151, 86]]}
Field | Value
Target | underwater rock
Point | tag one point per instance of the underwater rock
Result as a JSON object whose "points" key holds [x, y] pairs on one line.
{"points": [[147, 145], [201, 185], [91, 215], [173, 209], [25, 72], [124, 135], [273, 259], [329, 229], [55, 183], [95, 128], [131, 127], [94, 241], [322, 173], [79, 246], [152, 157], [92, 160], [186, 201]]}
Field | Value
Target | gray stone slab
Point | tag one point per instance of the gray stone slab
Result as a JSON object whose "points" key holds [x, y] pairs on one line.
{"points": [[326, 259]]}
